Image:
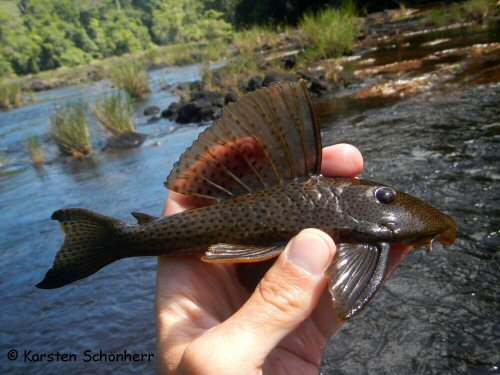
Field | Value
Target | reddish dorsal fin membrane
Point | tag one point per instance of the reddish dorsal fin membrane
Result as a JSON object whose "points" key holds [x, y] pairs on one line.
{"points": [[268, 137]]}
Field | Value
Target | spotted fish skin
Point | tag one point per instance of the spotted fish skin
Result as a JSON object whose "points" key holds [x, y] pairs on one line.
{"points": [[277, 214]]}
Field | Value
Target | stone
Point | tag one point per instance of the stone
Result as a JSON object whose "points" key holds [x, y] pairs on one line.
{"points": [[172, 111], [151, 110], [254, 83], [230, 97], [125, 141]]}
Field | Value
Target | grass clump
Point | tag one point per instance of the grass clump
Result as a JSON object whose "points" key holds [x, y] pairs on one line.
{"points": [[114, 113], [471, 10], [131, 77], [479, 9], [10, 95], [330, 33], [250, 40], [70, 130], [35, 150], [229, 77]]}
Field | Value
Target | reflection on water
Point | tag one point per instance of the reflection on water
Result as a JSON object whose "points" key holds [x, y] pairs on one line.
{"points": [[438, 313]]}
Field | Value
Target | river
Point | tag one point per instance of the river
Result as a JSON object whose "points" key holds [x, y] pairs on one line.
{"points": [[439, 312]]}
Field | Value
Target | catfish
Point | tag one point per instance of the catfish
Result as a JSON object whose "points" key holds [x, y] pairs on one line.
{"points": [[259, 165]]}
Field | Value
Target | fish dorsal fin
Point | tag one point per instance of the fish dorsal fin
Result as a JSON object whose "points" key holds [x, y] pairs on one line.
{"points": [[143, 218], [268, 137]]}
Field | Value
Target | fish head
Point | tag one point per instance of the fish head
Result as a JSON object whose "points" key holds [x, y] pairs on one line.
{"points": [[382, 213]]}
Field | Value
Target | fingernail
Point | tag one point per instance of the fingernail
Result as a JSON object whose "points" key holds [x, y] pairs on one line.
{"points": [[310, 250]]}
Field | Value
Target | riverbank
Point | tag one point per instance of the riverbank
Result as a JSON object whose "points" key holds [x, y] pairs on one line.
{"points": [[299, 50]]}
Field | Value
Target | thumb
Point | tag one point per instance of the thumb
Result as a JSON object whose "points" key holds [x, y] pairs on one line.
{"points": [[285, 297]]}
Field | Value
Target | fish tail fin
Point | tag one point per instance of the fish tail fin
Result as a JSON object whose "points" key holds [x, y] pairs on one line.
{"points": [[91, 242]]}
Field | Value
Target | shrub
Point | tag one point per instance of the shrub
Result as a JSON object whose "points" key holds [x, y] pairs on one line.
{"points": [[10, 95], [114, 113], [35, 150], [131, 77], [330, 33], [479, 9], [70, 130]]}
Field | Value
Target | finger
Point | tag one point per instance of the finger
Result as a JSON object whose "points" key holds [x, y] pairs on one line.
{"points": [[342, 160], [177, 202], [285, 297]]}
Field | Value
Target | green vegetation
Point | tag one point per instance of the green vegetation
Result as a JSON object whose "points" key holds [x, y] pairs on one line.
{"points": [[471, 10], [131, 77], [70, 130], [10, 95], [479, 9], [248, 40], [229, 77], [330, 33], [114, 113], [175, 21], [35, 150], [38, 35]]}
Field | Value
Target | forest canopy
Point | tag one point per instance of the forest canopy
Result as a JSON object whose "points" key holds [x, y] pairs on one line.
{"points": [[38, 35]]}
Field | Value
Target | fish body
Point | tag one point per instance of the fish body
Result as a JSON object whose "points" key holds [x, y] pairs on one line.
{"points": [[261, 167], [346, 209]]}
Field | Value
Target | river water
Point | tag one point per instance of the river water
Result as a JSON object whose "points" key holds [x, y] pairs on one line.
{"points": [[439, 312]]}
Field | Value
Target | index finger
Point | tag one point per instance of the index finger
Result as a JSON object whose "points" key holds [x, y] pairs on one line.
{"points": [[341, 160]]}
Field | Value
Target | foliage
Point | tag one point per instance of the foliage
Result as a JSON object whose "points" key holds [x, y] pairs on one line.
{"points": [[130, 76], [248, 40], [37, 35], [35, 150], [479, 9], [474, 10], [10, 95], [233, 75], [114, 112], [70, 130], [177, 21], [339, 28]]}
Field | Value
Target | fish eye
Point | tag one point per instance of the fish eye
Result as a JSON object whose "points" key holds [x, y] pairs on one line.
{"points": [[385, 195]]}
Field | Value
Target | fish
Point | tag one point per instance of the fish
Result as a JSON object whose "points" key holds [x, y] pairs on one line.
{"points": [[259, 166]]}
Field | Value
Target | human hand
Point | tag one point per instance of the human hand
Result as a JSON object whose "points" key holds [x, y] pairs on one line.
{"points": [[208, 323]]}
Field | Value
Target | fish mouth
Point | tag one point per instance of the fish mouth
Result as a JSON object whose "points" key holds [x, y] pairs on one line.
{"points": [[447, 237]]}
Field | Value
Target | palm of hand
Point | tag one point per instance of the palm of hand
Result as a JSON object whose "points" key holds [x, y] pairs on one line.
{"points": [[196, 297]]}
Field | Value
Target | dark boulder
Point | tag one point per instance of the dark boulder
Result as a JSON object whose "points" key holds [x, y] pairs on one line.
{"points": [[215, 98], [289, 62], [254, 83], [125, 141], [230, 97], [151, 110], [319, 86], [199, 110], [172, 111]]}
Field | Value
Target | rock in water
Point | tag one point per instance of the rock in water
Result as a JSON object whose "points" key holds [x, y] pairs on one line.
{"points": [[125, 141], [172, 111], [151, 110]]}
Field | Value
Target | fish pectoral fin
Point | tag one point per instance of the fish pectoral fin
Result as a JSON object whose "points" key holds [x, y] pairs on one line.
{"points": [[355, 275], [143, 218], [231, 253]]}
